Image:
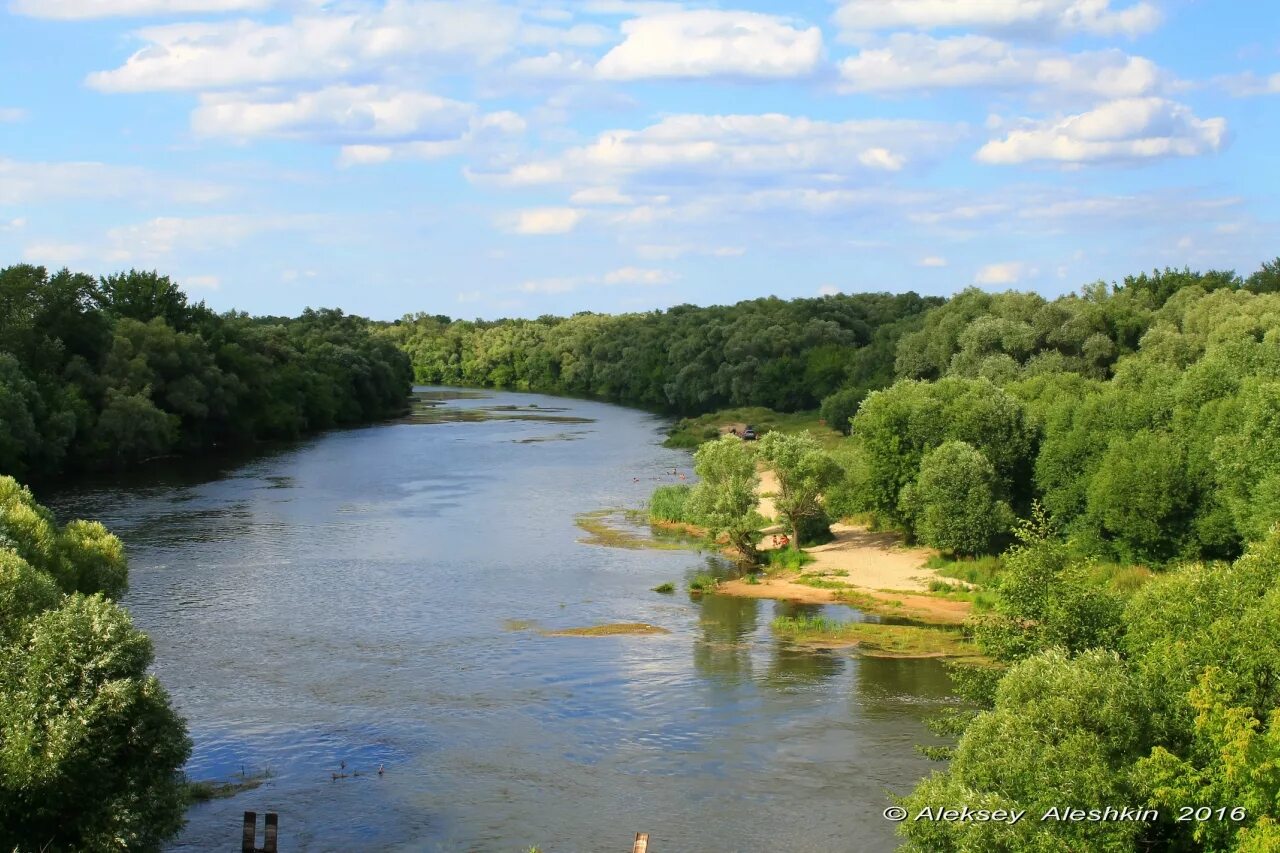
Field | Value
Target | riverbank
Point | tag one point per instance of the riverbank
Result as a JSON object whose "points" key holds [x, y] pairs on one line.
{"points": [[870, 570]]}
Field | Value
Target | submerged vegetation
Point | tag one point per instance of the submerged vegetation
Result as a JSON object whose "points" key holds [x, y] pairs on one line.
{"points": [[874, 639], [613, 629]]}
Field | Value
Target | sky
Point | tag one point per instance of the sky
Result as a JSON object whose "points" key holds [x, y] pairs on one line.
{"points": [[529, 157]]}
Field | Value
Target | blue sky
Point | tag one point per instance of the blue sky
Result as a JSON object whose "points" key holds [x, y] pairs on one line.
{"points": [[484, 159]]}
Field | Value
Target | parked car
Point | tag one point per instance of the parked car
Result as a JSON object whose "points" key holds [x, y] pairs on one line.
{"points": [[749, 434]]}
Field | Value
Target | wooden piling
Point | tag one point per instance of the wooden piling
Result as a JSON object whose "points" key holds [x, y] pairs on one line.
{"points": [[642, 843]]}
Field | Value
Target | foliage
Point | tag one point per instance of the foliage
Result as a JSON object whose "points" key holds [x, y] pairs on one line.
{"points": [[90, 749], [839, 408], [669, 503], [783, 355], [110, 373], [954, 505], [804, 473], [724, 500]]}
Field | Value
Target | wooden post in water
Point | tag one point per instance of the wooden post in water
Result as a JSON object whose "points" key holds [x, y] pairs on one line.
{"points": [[249, 836], [270, 832], [642, 843], [249, 839]]}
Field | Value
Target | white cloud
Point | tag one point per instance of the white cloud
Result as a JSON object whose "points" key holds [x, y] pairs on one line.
{"points": [[160, 238], [671, 252], [1250, 84], [828, 290], [12, 115], [54, 254], [1127, 129], [201, 282], [313, 47], [910, 61], [640, 275], [932, 261], [1006, 273], [601, 196], [687, 149], [23, 182], [336, 113], [553, 285], [13, 224], [545, 220], [709, 43], [78, 9], [482, 134], [1042, 18]]}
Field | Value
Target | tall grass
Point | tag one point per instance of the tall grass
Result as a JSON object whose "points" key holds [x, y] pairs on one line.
{"points": [[668, 503]]}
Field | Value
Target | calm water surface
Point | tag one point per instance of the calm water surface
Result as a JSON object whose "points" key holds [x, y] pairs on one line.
{"points": [[352, 599]]}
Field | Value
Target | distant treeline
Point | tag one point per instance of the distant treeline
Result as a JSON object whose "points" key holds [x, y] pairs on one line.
{"points": [[787, 355], [98, 373]]}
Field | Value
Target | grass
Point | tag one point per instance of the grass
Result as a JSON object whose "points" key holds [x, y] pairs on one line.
{"points": [[612, 629], [876, 640], [703, 583], [976, 571], [690, 432], [665, 588], [1124, 579], [786, 559], [668, 503], [205, 790]]}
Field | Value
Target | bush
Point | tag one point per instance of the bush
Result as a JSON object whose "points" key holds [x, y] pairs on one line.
{"points": [[669, 503], [839, 408]]}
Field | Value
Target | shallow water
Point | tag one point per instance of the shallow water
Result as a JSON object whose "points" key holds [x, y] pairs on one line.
{"points": [[359, 597]]}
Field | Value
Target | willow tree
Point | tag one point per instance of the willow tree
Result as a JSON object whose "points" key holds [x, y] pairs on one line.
{"points": [[804, 472], [724, 500]]}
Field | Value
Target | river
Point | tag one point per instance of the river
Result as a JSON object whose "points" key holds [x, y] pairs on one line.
{"points": [[374, 597]]}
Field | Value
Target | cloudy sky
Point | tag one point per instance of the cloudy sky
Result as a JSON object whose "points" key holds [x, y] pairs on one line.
{"points": [[477, 158]]}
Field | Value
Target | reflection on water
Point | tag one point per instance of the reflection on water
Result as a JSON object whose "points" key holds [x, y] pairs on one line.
{"points": [[353, 598]]}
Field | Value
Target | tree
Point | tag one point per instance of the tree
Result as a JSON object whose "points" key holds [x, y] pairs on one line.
{"points": [[839, 408], [804, 472], [955, 504], [1139, 499], [90, 749], [724, 500]]}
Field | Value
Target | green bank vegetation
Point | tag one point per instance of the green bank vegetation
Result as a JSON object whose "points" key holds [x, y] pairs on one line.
{"points": [[109, 372], [90, 749], [1100, 471], [874, 639]]}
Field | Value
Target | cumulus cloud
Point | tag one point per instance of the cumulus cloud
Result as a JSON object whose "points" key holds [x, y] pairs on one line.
{"points": [[932, 261], [909, 61], [313, 47], [1127, 129], [1006, 273], [483, 132], [338, 113], [708, 148], [161, 237], [711, 43], [1042, 18], [545, 220], [79, 9]]}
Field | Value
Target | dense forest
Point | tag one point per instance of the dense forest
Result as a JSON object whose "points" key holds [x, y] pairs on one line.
{"points": [[102, 373], [785, 355]]}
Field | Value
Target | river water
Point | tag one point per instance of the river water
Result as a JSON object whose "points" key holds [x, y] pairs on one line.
{"points": [[375, 597]]}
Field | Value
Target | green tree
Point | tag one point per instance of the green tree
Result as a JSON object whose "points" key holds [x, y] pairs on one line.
{"points": [[954, 504], [90, 749], [804, 473], [724, 500]]}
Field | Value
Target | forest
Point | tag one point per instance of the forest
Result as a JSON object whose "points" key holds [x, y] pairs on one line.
{"points": [[110, 372], [1106, 463]]}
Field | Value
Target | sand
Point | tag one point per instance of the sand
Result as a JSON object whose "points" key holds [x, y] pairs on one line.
{"points": [[860, 564]]}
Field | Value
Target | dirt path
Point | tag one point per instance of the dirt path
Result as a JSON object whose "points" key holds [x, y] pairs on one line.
{"points": [[858, 565]]}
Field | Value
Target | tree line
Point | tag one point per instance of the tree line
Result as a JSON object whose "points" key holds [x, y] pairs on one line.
{"points": [[785, 355], [108, 372]]}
